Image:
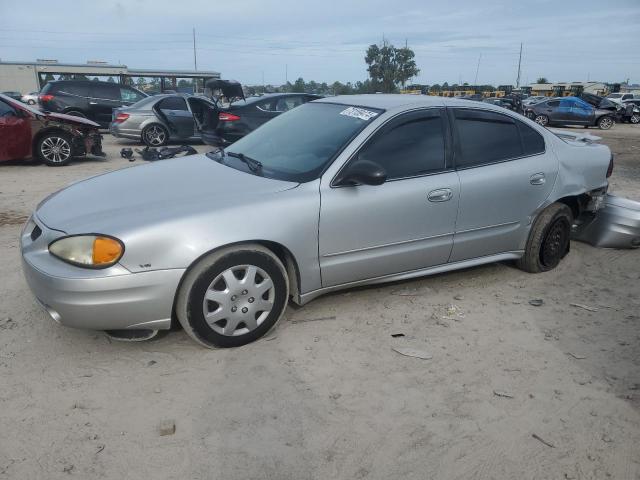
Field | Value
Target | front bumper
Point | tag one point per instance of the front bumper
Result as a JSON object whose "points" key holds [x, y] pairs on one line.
{"points": [[108, 299]]}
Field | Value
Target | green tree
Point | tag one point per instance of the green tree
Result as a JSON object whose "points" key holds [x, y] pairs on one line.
{"points": [[542, 80], [390, 66], [298, 85]]}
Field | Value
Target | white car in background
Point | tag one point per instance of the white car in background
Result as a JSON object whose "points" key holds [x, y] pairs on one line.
{"points": [[30, 98], [620, 97]]}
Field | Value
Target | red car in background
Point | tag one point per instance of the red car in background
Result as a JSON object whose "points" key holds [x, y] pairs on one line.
{"points": [[54, 138]]}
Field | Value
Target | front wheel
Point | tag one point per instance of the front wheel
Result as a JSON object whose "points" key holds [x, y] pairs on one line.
{"points": [[233, 297], [542, 120], [54, 149], [635, 118], [548, 240], [605, 123]]}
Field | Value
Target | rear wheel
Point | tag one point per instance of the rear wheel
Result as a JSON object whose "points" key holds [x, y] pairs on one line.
{"points": [[605, 123], [155, 135], [542, 120], [233, 297], [54, 149], [31, 102], [548, 240]]}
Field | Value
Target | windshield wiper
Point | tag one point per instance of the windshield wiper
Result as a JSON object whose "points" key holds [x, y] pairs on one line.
{"points": [[254, 165]]}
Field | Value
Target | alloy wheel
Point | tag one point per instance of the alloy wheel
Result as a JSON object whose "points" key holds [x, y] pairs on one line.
{"points": [[56, 149], [542, 120], [606, 123], [635, 118], [155, 135], [238, 300]]}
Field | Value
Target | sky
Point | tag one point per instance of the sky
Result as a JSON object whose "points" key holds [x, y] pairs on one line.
{"points": [[265, 41]]}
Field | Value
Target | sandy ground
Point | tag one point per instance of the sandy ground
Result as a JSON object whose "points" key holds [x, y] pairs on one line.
{"points": [[325, 396]]}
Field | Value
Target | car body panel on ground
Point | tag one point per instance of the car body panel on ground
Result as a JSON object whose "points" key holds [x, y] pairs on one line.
{"points": [[617, 224], [22, 127], [475, 179]]}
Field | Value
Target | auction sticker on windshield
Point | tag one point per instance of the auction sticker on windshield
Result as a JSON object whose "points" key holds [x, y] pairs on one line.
{"points": [[360, 113]]}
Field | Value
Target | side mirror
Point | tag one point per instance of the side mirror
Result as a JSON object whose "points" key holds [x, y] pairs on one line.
{"points": [[363, 172]]}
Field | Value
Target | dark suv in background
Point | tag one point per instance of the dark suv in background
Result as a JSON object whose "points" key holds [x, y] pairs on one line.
{"points": [[85, 98]]}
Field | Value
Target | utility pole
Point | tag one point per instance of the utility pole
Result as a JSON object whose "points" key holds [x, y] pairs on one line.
{"points": [[519, 63], [195, 58], [475, 82], [286, 73]]}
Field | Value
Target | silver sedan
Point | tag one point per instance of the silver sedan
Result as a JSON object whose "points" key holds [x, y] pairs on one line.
{"points": [[159, 119], [339, 192]]}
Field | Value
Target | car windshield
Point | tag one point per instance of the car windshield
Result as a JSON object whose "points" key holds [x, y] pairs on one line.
{"points": [[297, 145]]}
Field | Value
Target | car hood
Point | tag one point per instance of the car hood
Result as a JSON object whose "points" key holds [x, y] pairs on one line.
{"points": [[69, 119], [155, 192]]}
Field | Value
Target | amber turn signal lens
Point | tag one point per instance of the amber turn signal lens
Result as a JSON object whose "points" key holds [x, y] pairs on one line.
{"points": [[106, 250]]}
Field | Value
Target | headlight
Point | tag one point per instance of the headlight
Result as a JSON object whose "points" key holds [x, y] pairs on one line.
{"points": [[89, 251]]}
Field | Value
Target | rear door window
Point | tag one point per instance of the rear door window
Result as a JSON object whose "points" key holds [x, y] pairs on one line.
{"points": [[105, 92], [78, 89], [553, 103], [532, 141], [485, 137], [412, 146], [5, 109], [287, 103], [172, 103]]}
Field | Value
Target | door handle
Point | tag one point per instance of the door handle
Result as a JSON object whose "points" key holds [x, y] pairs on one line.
{"points": [[537, 179], [440, 195], [93, 103]]}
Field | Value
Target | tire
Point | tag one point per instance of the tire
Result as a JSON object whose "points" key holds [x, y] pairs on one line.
{"points": [[548, 241], [221, 286], [31, 102], [155, 135], [635, 118], [605, 123], [541, 120], [75, 113], [55, 149]]}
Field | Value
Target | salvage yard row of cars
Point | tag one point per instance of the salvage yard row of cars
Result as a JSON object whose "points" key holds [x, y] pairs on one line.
{"points": [[335, 193]]}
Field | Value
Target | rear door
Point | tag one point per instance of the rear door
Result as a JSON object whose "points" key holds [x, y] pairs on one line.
{"points": [[405, 224], [103, 98], [582, 113], [15, 133], [506, 174], [173, 110]]}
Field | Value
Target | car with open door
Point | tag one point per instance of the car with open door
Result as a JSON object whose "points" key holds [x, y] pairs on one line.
{"points": [[336, 193], [87, 98], [160, 119], [53, 138]]}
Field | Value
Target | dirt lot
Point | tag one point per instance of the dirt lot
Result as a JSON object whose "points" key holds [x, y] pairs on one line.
{"points": [[325, 396]]}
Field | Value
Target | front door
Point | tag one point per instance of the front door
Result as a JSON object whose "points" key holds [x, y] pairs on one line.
{"points": [[506, 174], [15, 133], [405, 224]]}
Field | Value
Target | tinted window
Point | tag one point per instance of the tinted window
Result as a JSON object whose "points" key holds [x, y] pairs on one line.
{"points": [[268, 105], [486, 137], [5, 110], [79, 89], [287, 103], [553, 103], [411, 148], [172, 103], [130, 95], [105, 92], [532, 141]]}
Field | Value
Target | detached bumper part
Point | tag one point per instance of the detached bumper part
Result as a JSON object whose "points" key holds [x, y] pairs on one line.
{"points": [[616, 224]]}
